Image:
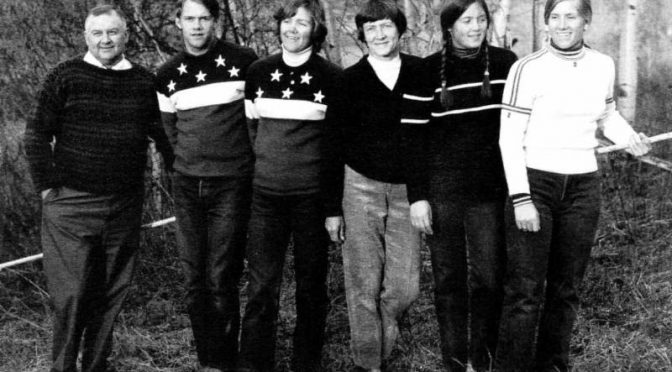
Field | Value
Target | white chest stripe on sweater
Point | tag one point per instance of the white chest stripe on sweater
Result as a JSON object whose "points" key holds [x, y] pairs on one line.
{"points": [[418, 98], [495, 106], [288, 109], [471, 85], [208, 95]]}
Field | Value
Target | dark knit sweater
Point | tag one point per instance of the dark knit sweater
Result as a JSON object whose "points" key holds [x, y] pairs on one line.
{"points": [[100, 120], [462, 152], [377, 122], [202, 108], [294, 142]]}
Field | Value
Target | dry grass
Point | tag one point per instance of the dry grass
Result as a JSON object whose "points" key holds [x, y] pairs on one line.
{"points": [[625, 322]]}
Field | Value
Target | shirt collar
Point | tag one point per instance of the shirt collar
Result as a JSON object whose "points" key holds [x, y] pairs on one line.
{"points": [[124, 64]]}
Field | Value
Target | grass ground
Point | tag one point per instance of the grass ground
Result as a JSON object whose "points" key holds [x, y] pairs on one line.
{"points": [[625, 321]]}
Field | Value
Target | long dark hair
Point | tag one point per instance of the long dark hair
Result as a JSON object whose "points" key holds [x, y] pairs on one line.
{"points": [[449, 15]]}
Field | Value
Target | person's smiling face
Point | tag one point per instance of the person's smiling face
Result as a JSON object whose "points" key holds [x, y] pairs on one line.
{"points": [[382, 38], [566, 25], [296, 32]]}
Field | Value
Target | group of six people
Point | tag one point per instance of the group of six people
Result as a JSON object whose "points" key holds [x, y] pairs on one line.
{"points": [[490, 157]]}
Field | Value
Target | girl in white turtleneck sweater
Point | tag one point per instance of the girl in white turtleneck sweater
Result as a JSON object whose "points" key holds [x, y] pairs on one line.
{"points": [[554, 101]]}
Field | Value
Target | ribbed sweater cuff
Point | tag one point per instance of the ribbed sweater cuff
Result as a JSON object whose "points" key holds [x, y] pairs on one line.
{"points": [[521, 199]]}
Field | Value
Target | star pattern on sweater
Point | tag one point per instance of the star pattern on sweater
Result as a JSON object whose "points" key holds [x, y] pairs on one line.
{"points": [[233, 71], [287, 93], [318, 96], [276, 75], [305, 78], [220, 61], [182, 69], [200, 76], [259, 92], [171, 86]]}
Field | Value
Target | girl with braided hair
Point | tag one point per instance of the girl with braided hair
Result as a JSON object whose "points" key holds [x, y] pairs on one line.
{"points": [[464, 184]]}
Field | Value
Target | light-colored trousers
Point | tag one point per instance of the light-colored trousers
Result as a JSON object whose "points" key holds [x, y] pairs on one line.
{"points": [[381, 264]]}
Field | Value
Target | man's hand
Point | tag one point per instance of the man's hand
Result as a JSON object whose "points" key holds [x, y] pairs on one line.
{"points": [[639, 144], [421, 216], [527, 217], [44, 193], [336, 228]]}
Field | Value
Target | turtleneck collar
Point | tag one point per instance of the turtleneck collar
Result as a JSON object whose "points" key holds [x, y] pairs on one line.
{"points": [[573, 53], [466, 53], [296, 59]]}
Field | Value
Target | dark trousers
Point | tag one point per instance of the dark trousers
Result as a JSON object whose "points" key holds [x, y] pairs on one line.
{"points": [[468, 253], [274, 219], [90, 244], [212, 215], [557, 255]]}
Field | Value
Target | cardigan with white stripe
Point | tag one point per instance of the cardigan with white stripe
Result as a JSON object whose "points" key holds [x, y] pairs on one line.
{"points": [[462, 158], [553, 104], [378, 122], [202, 108]]}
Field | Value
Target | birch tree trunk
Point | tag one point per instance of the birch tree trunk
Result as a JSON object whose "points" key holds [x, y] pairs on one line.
{"points": [[627, 64], [411, 13], [500, 25], [537, 25]]}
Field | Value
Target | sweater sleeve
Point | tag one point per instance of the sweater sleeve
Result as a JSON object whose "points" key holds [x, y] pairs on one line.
{"points": [[517, 102], [41, 130], [168, 114], [416, 112], [157, 133], [334, 167], [613, 125], [251, 113]]}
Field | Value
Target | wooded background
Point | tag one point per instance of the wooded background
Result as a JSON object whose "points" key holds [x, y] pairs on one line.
{"points": [[625, 322]]}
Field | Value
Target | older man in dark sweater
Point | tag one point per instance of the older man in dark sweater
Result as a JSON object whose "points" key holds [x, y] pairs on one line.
{"points": [[86, 146]]}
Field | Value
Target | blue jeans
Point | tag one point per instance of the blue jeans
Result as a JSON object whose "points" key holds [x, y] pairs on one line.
{"points": [[557, 255], [90, 245], [276, 218], [381, 264], [212, 215], [468, 256]]}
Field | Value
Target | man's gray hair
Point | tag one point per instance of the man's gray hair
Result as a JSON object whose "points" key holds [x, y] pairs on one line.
{"points": [[105, 9]]}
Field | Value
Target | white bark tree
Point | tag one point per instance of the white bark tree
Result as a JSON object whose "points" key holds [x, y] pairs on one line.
{"points": [[501, 36], [627, 64]]}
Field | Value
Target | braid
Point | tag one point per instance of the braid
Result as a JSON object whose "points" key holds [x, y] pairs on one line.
{"points": [[486, 91], [446, 96]]}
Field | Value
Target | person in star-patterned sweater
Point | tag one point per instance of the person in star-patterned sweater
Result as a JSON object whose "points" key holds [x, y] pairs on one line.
{"points": [[296, 187], [201, 93]]}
